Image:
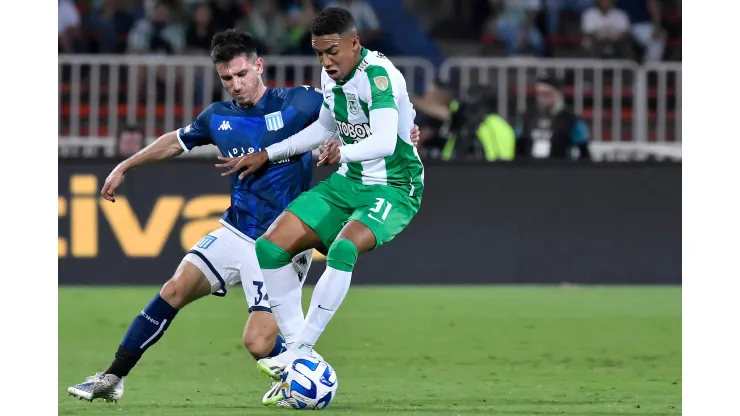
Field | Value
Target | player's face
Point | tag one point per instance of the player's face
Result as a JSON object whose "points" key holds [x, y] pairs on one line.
{"points": [[337, 53], [547, 95], [242, 78]]}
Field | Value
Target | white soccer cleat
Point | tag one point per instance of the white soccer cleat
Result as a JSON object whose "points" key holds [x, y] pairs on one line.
{"points": [[274, 367], [274, 395], [100, 386]]}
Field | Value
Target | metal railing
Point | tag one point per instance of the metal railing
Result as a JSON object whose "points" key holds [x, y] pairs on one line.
{"points": [[593, 80], [622, 101]]}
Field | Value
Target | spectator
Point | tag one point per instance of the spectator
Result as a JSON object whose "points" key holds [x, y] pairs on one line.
{"points": [[130, 140], [267, 24], [226, 14], [606, 31], [69, 26], [433, 111], [554, 8], [299, 16], [157, 34], [514, 23], [551, 130], [200, 30], [647, 26], [368, 25], [476, 131], [112, 21]]}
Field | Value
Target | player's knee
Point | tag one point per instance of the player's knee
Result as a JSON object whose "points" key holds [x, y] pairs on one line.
{"points": [[270, 255], [258, 343], [342, 255], [184, 288], [173, 293]]}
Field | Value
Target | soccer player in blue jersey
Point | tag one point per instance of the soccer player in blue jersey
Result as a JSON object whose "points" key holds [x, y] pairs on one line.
{"points": [[256, 118]]}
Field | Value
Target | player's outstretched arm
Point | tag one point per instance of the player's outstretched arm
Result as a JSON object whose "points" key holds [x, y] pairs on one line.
{"points": [[165, 147]]}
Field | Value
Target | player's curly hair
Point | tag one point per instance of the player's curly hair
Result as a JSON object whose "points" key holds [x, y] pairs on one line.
{"points": [[229, 44], [332, 20]]}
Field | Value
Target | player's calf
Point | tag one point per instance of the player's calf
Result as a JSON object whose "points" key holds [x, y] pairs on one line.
{"points": [[261, 337], [187, 284], [283, 286]]}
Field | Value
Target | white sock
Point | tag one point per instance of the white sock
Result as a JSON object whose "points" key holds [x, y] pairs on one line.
{"points": [[327, 296], [284, 289]]}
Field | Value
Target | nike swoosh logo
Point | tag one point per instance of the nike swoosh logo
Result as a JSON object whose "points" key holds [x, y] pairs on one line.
{"points": [[320, 307], [380, 221]]}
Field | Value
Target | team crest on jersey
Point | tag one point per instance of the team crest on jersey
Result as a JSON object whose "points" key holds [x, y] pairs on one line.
{"points": [[381, 82], [274, 121], [352, 104]]}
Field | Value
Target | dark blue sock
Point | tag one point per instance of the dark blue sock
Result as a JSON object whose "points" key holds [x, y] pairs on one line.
{"points": [[145, 331], [280, 346]]}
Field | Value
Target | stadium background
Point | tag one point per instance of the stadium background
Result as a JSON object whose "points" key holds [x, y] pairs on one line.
{"points": [[613, 220]]}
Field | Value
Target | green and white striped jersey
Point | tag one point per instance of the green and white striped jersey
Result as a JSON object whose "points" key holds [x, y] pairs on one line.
{"points": [[375, 84]]}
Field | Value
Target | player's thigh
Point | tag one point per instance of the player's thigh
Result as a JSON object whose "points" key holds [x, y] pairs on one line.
{"points": [[320, 212], [385, 212], [218, 257]]}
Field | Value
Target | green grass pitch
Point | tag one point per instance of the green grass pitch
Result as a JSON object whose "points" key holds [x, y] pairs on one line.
{"points": [[474, 350]]}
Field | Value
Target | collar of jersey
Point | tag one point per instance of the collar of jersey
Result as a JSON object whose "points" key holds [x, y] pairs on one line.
{"points": [[258, 105], [363, 54]]}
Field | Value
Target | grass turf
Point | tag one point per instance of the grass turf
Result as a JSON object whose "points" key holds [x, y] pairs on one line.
{"points": [[400, 350]]}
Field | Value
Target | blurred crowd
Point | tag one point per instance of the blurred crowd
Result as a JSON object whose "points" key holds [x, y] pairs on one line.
{"points": [[643, 30], [455, 124], [186, 26], [608, 28]]}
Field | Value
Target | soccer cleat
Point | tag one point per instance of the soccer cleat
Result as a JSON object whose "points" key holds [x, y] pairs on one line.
{"points": [[274, 367], [275, 396], [100, 386]]}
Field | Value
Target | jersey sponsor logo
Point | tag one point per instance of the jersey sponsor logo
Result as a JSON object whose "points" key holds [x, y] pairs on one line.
{"points": [[352, 104], [274, 121], [381, 82], [364, 64], [240, 151], [206, 242], [354, 131], [225, 125], [381, 56]]}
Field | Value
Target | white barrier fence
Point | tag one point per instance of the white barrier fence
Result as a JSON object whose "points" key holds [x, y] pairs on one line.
{"points": [[632, 110]]}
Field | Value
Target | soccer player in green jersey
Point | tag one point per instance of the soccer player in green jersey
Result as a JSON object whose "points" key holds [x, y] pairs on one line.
{"points": [[371, 198]]}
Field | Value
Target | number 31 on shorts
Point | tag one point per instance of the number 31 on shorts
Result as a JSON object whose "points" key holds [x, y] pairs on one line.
{"points": [[381, 202]]}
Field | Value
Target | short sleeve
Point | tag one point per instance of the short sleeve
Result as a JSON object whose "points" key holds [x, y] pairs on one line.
{"points": [[196, 133], [381, 89], [308, 101]]}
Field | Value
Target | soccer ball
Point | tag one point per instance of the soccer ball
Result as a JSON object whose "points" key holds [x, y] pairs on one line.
{"points": [[309, 383]]}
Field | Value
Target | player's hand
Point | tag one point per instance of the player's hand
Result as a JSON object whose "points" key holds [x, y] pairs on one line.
{"points": [[415, 134], [329, 153], [112, 182], [250, 163]]}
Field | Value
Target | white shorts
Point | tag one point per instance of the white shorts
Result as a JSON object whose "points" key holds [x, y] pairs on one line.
{"points": [[226, 258]]}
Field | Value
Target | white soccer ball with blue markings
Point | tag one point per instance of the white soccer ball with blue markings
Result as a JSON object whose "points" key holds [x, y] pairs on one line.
{"points": [[309, 383]]}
